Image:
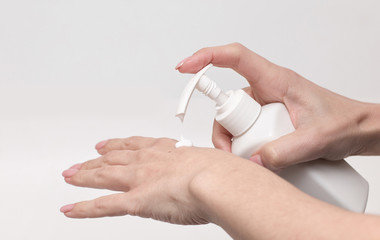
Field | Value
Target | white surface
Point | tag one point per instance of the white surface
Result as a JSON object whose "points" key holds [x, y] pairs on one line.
{"points": [[73, 73]]}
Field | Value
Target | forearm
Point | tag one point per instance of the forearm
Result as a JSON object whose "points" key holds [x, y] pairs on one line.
{"points": [[250, 202]]}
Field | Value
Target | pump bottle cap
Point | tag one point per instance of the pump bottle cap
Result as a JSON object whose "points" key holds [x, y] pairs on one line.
{"points": [[238, 113]]}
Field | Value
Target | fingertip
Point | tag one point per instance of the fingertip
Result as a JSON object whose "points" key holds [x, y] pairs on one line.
{"points": [[67, 208], [67, 180], [179, 65], [196, 62], [223, 142], [76, 166], [105, 146], [191, 65], [226, 146], [100, 144], [256, 159], [69, 172], [70, 214], [101, 151]]}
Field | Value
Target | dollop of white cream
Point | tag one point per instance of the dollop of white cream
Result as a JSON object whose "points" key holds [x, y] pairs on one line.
{"points": [[184, 143]]}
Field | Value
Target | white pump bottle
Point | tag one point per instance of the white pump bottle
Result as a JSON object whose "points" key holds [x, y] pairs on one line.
{"points": [[252, 126]]}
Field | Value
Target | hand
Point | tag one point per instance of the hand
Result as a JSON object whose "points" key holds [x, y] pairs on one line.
{"points": [[201, 185], [154, 177], [327, 125]]}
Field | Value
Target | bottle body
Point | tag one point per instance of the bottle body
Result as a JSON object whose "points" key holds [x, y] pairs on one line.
{"points": [[272, 123], [335, 182]]}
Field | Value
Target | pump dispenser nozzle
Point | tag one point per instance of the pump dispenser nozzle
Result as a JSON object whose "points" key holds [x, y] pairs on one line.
{"points": [[236, 111], [205, 86]]}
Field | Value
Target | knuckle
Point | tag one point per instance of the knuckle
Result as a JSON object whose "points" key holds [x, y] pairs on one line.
{"points": [[270, 157], [163, 142], [156, 141], [146, 154], [140, 154], [100, 175], [166, 140], [202, 50], [236, 50], [80, 210], [237, 46], [99, 205], [85, 165], [127, 142], [130, 142], [111, 142], [110, 154], [109, 157], [106, 160]]}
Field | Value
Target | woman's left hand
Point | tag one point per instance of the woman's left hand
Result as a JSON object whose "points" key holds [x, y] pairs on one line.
{"points": [[191, 185], [153, 176]]}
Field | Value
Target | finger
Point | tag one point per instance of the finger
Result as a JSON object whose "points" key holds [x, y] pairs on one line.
{"points": [[247, 63], [299, 146], [115, 157], [221, 138], [117, 178], [133, 143], [118, 204]]}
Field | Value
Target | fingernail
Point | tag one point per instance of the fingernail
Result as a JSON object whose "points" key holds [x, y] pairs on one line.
{"points": [[76, 166], [67, 208], [101, 144], [69, 172], [181, 63], [257, 159]]}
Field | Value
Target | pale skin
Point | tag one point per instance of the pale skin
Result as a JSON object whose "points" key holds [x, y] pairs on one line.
{"points": [[191, 185]]}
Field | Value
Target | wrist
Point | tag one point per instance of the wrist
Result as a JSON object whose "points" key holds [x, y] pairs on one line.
{"points": [[206, 185], [218, 193], [369, 128]]}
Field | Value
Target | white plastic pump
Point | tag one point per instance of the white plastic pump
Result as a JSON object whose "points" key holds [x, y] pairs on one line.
{"points": [[253, 125]]}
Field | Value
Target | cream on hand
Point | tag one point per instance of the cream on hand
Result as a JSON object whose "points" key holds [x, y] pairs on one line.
{"points": [[184, 143]]}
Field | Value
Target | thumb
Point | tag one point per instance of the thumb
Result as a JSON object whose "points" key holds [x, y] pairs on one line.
{"points": [[221, 138], [296, 147]]}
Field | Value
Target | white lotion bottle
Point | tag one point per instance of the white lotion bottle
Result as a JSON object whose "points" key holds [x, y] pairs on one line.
{"points": [[253, 125]]}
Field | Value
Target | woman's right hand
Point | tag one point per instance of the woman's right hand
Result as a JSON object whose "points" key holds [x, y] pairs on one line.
{"points": [[327, 125]]}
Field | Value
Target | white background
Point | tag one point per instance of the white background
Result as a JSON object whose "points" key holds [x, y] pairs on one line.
{"points": [[73, 73]]}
